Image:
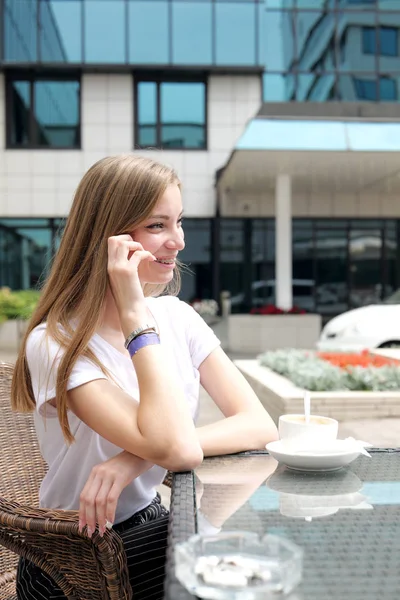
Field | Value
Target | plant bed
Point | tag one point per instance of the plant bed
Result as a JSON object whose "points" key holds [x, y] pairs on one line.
{"points": [[335, 371], [334, 391]]}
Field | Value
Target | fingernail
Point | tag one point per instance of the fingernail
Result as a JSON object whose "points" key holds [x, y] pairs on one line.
{"points": [[89, 532], [109, 524], [80, 526]]}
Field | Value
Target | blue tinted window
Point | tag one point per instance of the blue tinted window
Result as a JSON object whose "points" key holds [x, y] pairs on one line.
{"points": [[20, 30], [192, 32], [274, 134], [388, 41], [25, 222], [235, 31], [389, 5], [148, 36], [182, 115], [147, 113], [21, 104], [388, 89], [171, 114], [315, 87], [351, 41], [311, 4], [196, 283], [105, 31], [57, 113], [44, 113], [369, 40], [25, 252], [277, 48], [358, 2], [314, 38], [366, 89], [60, 31], [278, 87]]}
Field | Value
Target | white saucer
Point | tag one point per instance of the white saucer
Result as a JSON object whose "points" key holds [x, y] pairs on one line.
{"points": [[339, 454]]}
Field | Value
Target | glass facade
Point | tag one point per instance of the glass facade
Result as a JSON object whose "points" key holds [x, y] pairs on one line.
{"points": [[331, 50], [171, 114], [26, 249], [144, 32], [196, 259], [338, 264], [43, 112], [317, 50]]}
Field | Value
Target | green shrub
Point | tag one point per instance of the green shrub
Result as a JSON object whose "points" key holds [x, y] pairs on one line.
{"points": [[17, 304]]}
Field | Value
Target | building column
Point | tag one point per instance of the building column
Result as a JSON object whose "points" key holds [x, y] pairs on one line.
{"points": [[216, 257], [283, 242]]}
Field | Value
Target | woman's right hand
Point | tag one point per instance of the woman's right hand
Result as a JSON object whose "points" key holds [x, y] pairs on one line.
{"points": [[99, 497], [124, 258]]}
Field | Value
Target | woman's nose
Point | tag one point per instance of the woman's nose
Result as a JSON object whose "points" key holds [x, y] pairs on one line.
{"points": [[177, 240]]}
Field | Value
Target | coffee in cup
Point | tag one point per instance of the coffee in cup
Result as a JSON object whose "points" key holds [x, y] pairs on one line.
{"points": [[313, 419], [295, 432]]}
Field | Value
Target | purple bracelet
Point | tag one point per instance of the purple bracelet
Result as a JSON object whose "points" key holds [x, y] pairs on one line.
{"points": [[145, 339]]}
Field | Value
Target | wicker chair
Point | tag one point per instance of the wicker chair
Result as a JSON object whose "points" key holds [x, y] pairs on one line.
{"points": [[85, 569]]}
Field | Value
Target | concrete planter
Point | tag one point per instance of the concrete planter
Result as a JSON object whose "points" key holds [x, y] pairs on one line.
{"points": [[280, 396], [258, 333], [11, 334]]}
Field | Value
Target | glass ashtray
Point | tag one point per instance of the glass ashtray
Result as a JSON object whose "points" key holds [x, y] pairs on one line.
{"points": [[238, 565]]}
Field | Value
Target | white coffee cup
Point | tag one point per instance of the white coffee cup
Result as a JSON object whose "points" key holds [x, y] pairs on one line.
{"points": [[294, 432]]}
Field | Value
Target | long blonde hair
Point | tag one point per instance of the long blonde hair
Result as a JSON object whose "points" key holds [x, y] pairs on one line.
{"points": [[114, 197]]}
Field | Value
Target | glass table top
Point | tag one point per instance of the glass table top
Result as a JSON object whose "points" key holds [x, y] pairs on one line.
{"points": [[346, 521]]}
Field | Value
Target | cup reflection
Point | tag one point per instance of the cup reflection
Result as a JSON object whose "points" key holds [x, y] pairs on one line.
{"points": [[314, 495]]}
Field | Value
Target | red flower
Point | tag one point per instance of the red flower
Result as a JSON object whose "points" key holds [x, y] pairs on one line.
{"points": [[361, 359], [271, 309], [295, 310]]}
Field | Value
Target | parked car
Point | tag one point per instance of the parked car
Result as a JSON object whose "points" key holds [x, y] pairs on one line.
{"points": [[373, 326], [263, 292]]}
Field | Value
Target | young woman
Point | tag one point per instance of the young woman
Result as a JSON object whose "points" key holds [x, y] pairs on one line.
{"points": [[112, 369]]}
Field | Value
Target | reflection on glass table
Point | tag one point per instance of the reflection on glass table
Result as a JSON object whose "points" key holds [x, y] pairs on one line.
{"points": [[311, 495], [351, 544]]}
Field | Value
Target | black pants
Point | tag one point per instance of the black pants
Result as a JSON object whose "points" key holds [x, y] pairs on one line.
{"points": [[144, 536]]}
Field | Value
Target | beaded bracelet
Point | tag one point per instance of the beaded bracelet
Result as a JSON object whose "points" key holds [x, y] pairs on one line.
{"points": [[139, 331], [141, 341]]}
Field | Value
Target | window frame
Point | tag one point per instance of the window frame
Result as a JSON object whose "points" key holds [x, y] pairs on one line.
{"points": [[31, 78], [393, 82], [54, 225], [366, 31], [359, 84], [362, 85], [377, 32], [380, 31], [159, 79]]}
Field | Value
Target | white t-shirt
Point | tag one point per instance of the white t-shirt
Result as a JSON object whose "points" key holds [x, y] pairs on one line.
{"points": [[187, 339]]}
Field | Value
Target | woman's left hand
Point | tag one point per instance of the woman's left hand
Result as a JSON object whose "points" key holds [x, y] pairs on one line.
{"points": [[99, 497]]}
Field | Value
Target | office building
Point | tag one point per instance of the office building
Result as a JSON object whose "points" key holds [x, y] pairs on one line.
{"points": [[280, 116]]}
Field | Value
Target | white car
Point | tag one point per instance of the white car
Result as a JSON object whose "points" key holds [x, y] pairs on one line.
{"points": [[373, 326]]}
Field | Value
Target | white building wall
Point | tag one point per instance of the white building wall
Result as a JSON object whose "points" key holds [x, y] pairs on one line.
{"points": [[314, 205], [41, 183]]}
